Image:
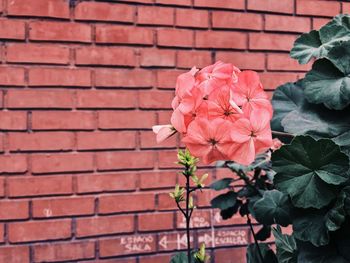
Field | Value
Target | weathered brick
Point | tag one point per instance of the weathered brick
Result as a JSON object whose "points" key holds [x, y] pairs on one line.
{"points": [[12, 29], [188, 59], [104, 12], [13, 120], [243, 60], [124, 78], [155, 221], [13, 164], [11, 76], [40, 8], [216, 39], [10, 210], [228, 4], [199, 18], [318, 8], [237, 20], [116, 120], [17, 254], [285, 6], [155, 99], [174, 37], [106, 140], [153, 15], [283, 23], [158, 58], [263, 41]]}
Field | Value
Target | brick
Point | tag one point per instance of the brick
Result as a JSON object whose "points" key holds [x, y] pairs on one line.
{"points": [[106, 182], [273, 80], [286, 6], [139, 1], [37, 53], [59, 31], [346, 8], [18, 254], [237, 20], [188, 59], [59, 77], [12, 29], [72, 206], [2, 136], [97, 226], [167, 78], [154, 179], [53, 120], [155, 99], [123, 35], [2, 187], [113, 56], [12, 76], [284, 62], [10, 210], [2, 234], [200, 219], [113, 99], [174, 37], [13, 164], [124, 78], [64, 251], [165, 202], [226, 255], [261, 41], [153, 15], [33, 230], [167, 159], [155, 221], [148, 141], [317, 23], [29, 99], [120, 160], [42, 141], [175, 2], [283, 23], [58, 163], [37, 186], [155, 259], [157, 58], [40, 8], [121, 245], [117, 120], [216, 39], [104, 12], [199, 18], [228, 4], [106, 140], [243, 60], [13, 120], [126, 203], [318, 8]]}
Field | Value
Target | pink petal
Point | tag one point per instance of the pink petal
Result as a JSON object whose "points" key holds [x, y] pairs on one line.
{"points": [[263, 141], [259, 119], [241, 131], [178, 121], [243, 153], [164, 133]]}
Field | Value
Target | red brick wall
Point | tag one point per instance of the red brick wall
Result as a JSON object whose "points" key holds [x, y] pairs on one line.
{"points": [[81, 175]]}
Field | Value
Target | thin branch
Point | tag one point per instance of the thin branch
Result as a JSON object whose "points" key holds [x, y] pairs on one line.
{"points": [[284, 134], [182, 211], [255, 239]]}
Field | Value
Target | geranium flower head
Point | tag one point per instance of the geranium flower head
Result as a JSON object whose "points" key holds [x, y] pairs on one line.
{"points": [[209, 139], [248, 93], [251, 136]]}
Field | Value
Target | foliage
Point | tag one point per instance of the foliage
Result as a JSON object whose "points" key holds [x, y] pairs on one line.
{"points": [[306, 183]]}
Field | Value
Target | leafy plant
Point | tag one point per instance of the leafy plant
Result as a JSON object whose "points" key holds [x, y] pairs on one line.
{"points": [[306, 182]]}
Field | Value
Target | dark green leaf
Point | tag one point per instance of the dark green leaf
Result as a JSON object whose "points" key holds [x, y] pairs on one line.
{"points": [[267, 254], [229, 212], [310, 226], [274, 207], [286, 246], [329, 82], [318, 44], [308, 170], [181, 257], [336, 216], [263, 233], [221, 184], [224, 201]]}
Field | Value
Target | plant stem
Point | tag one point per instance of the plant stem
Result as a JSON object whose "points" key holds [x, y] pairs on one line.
{"points": [[188, 215], [255, 239]]}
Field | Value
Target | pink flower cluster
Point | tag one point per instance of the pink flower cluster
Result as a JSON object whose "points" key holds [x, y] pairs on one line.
{"points": [[222, 113]]}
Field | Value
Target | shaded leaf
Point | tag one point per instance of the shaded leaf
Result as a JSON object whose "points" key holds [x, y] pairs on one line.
{"points": [[286, 246], [308, 170], [267, 253], [221, 184], [224, 201], [263, 233], [274, 207]]}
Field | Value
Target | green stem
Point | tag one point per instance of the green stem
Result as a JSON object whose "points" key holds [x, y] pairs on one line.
{"points": [[188, 215], [255, 239]]}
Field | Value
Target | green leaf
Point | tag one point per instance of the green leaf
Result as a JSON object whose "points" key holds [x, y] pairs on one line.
{"points": [[267, 254], [263, 233], [294, 114], [307, 46], [286, 246], [308, 170], [317, 44], [336, 216], [286, 99], [221, 184], [310, 226], [181, 257], [274, 207], [329, 82], [224, 201]]}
